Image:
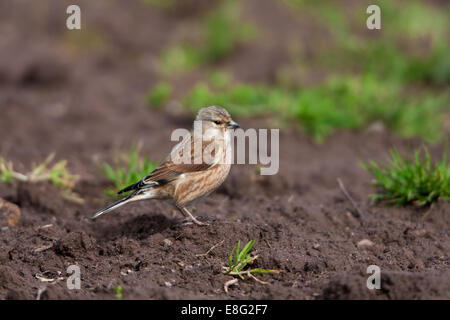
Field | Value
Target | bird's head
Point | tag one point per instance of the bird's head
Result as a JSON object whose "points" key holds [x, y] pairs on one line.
{"points": [[216, 121], [215, 117]]}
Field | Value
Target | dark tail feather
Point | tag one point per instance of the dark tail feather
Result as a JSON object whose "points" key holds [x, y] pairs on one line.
{"points": [[113, 206], [129, 188], [138, 185]]}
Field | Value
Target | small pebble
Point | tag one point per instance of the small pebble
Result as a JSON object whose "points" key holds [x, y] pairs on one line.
{"points": [[365, 243]]}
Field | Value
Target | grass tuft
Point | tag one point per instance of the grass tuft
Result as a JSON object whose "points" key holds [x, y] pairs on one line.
{"points": [[119, 292], [222, 31], [123, 175], [341, 103], [57, 174], [159, 95], [240, 258], [415, 181]]}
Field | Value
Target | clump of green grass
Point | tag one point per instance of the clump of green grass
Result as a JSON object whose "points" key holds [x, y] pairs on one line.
{"points": [[240, 100], [384, 59], [416, 20], [219, 79], [122, 175], [433, 69], [158, 96], [57, 174], [341, 103], [221, 32], [240, 259], [6, 171], [383, 56], [180, 57], [119, 292], [415, 181]]}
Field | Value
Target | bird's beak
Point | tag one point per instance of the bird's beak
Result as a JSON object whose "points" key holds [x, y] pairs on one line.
{"points": [[232, 124]]}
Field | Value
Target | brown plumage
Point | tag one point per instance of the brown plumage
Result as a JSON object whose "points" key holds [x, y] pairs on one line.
{"points": [[186, 175]]}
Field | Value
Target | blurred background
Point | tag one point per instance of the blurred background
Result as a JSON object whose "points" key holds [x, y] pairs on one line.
{"points": [[144, 66], [138, 69]]}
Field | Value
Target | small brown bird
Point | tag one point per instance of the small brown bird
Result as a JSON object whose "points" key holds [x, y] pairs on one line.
{"points": [[187, 174]]}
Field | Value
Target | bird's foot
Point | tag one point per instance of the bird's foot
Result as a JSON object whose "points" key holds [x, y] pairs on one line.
{"points": [[189, 221], [199, 223], [190, 217]]}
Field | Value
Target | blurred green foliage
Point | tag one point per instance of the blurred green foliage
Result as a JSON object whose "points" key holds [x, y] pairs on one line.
{"points": [[158, 96], [397, 76], [221, 32], [415, 19], [349, 102], [424, 27], [181, 57], [388, 61], [404, 181]]}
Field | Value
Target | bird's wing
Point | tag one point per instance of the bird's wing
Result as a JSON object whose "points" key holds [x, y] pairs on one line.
{"points": [[171, 168], [178, 163]]}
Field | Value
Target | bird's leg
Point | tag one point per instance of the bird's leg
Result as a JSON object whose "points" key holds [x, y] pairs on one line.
{"points": [[186, 213]]}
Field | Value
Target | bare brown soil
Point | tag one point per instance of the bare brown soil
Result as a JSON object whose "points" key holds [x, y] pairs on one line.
{"points": [[57, 95]]}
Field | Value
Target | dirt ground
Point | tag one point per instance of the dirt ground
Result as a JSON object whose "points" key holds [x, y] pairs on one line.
{"points": [[86, 101]]}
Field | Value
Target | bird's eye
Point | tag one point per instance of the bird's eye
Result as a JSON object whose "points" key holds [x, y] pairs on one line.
{"points": [[217, 122]]}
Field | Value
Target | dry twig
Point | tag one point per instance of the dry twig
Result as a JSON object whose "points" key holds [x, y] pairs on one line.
{"points": [[210, 249], [353, 202], [40, 249]]}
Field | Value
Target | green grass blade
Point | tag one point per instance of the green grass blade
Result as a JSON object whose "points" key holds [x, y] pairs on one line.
{"points": [[236, 259]]}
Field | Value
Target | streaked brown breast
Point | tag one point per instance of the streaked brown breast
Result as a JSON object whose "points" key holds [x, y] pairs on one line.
{"points": [[198, 184]]}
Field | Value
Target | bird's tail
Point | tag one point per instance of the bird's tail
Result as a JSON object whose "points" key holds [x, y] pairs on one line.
{"points": [[115, 205]]}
